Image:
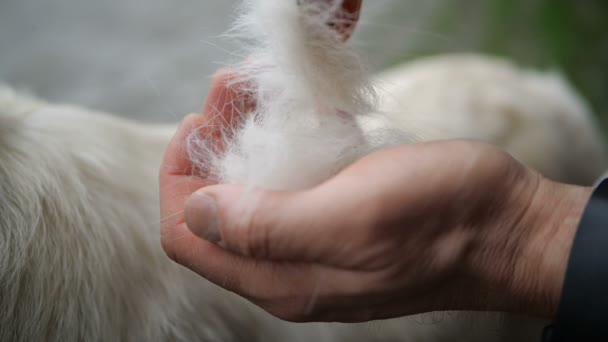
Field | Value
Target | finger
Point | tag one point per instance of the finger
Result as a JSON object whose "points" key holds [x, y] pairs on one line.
{"points": [[296, 292], [305, 226], [176, 181], [284, 289], [220, 109], [227, 104], [177, 175]]}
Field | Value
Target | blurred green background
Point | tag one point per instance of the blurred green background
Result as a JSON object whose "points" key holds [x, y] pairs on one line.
{"points": [[564, 35]]}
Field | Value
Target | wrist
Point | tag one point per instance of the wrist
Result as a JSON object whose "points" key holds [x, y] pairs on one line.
{"points": [[521, 257], [552, 219]]}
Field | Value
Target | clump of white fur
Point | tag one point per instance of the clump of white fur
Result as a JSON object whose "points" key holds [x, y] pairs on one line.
{"points": [[309, 88]]}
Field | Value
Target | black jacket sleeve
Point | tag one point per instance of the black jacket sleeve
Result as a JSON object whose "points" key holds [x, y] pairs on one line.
{"points": [[583, 311]]}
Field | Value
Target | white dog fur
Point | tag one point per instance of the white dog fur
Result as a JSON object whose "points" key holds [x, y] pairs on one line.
{"points": [[80, 258], [309, 87]]}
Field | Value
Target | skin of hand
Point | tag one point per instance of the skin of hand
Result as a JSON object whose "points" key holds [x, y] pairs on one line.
{"points": [[448, 225], [451, 225]]}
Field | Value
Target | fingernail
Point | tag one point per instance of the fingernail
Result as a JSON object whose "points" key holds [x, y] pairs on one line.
{"points": [[201, 217]]}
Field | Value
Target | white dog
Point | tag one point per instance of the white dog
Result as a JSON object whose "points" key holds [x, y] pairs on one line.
{"points": [[80, 258]]}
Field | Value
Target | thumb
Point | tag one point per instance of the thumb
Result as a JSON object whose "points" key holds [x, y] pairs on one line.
{"points": [[286, 226]]}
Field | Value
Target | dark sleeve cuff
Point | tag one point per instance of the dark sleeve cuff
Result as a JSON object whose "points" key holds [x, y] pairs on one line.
{"points": [[583, 311]]}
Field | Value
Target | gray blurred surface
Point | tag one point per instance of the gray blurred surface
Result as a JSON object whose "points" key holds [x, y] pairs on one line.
{"points": [[147, 59], [152, 59]]}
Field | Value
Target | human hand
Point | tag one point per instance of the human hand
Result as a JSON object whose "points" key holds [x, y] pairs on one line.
{"points": [[435, 226], [417, 228]]}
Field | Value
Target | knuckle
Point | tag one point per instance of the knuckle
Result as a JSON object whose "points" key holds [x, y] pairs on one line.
{"points": [[189, 122], [239, 233], [258, 237], [249, 231]]}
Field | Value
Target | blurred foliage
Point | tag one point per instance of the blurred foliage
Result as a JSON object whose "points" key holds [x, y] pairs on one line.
{"points": [[567, 35], [571, 35]]}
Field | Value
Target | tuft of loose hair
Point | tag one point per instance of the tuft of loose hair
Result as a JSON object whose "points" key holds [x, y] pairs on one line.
{"points": [[309, 88]]}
